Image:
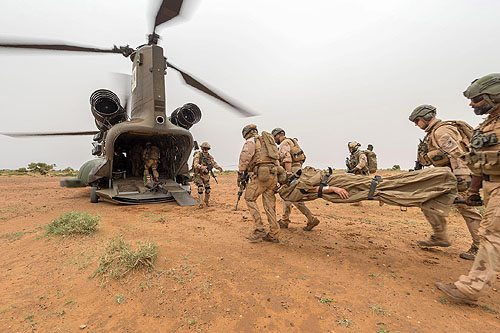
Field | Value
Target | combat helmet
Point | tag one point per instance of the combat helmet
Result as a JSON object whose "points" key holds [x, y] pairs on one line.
{"points": [[205, 145], [353, 146], [277, 130], [425, 111], [248, 129], [487, 88]]}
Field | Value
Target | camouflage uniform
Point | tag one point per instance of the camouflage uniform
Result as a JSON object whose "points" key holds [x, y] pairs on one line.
{"points": [[202, 161], [285, 148], [487, 263], [151, 158], [444, 137], [136, 160], [358, 163], [262, 181]]}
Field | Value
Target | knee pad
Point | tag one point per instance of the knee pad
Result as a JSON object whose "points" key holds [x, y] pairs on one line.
{"points": [[207, 189], [200, 189]]}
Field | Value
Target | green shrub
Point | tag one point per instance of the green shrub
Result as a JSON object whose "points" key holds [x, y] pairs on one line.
{"points": [[41, 168], [396, 167], [118, 259], [73, 223]]}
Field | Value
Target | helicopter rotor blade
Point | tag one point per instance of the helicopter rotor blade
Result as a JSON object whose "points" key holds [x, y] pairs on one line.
{"points": [[21, 135], [190, 80], [124, 50], [167, 11]]}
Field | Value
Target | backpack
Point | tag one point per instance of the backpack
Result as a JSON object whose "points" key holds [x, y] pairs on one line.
{"points": [[268, 142], [297, 153], [372, 160]]}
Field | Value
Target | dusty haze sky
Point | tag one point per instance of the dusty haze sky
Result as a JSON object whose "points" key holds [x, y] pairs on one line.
{"points": [[328, 72]]}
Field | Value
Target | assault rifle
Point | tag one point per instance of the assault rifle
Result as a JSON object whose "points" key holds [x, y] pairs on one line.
{"points": [[210, 169], [243, 177]]}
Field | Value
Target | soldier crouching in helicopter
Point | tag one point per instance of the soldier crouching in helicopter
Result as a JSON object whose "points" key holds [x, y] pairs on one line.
{"points": [[203, 164], [151, 158]]}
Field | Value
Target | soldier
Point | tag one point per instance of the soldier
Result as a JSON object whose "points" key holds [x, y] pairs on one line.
{"points": [[357, 163], [443, 143], [151, 158], [136, 159], [291, 158], [259, 161], [483, 161], [203, 163]]}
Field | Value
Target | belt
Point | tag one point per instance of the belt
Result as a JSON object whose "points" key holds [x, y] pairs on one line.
{"points": [[491, 178]]}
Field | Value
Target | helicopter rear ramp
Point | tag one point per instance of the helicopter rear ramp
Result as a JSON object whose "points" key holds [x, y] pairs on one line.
{"points": [[179, 194], [135, 193]]}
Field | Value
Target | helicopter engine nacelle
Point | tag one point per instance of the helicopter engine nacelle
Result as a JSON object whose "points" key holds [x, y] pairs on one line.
{"points": [[186, 116], [106, 108]]}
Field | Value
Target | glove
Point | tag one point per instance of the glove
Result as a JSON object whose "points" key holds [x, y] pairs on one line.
{"points": [[473, 199], [220, 169]]}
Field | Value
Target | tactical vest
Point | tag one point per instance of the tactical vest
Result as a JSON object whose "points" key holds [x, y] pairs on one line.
{"points": [[354, 161], [296, 152], [262, 155], [202, 159], [429, 152], [152, 153], [483, 156]]}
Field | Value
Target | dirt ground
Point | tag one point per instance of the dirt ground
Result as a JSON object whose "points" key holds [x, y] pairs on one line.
{"points": [[358, 271]]}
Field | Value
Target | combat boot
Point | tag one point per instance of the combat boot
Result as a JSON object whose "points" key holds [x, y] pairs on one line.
{"points": [[471, 253], [311, 225], [452, 291], [434, 241], [283, 223], [269, 238], [257, 236]]}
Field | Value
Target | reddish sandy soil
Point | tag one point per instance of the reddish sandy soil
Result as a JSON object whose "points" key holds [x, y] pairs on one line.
{"points": [[362, 262]]}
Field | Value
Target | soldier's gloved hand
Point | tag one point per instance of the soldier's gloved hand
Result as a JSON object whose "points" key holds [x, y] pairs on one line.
{"points": [[473, 199], [204, 168], [220, 169]]}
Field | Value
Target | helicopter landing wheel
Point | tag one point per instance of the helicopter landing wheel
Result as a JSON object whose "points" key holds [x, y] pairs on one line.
{"points": [[94, 198]]}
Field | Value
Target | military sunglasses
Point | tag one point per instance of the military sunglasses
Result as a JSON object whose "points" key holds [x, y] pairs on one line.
{"points": [[477, 99]]}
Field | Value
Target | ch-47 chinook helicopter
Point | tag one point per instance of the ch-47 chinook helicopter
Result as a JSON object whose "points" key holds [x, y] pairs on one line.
{"points": [[111, 175]]}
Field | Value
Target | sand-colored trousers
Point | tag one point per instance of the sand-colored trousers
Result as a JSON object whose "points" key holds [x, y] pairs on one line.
{"points": [[486, 265], [254, 189]]}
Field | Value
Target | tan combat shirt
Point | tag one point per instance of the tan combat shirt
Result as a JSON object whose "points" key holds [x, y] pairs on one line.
{"points": [[247, 152], [447, 138], [362, 161], [151, 153], [284, 151]]}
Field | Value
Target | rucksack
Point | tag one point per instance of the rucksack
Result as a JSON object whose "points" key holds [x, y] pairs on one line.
{"points": [[297, 152], [372, 160], [268, 142]]}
